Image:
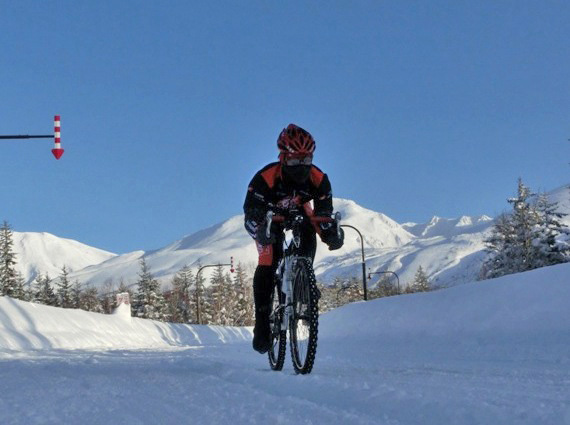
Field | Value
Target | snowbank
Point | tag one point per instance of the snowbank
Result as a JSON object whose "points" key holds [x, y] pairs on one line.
{"points": [[27, 326], [537, 301]]}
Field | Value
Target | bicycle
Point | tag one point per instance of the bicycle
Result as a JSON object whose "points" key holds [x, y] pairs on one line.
{"points": [[295, 298]]}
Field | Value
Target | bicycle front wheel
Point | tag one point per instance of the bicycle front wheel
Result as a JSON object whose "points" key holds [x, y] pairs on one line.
{"points": [[278, 337], [304, 322]]}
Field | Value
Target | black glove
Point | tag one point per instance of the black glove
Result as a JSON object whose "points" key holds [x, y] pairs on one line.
{"points": [[330, 235], [262, 238], [256, 215]]}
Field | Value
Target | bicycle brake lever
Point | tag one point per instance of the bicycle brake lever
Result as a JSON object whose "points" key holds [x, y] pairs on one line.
{"points": [[269, 220], [337, 217]]}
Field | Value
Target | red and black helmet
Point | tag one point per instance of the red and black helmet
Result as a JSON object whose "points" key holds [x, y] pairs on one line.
{"points": [[293, 140]]}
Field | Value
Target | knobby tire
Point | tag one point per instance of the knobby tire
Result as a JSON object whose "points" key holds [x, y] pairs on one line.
{"points": [[304, 323], [278, 347]]}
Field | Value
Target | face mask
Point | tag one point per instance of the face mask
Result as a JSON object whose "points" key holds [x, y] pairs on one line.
{"points": [[298, 173]]}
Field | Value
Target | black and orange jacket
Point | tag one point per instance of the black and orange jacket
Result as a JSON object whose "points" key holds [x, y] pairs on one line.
{"points": [[268, 188]]}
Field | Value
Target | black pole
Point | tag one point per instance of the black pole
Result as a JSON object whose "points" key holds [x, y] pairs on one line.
{"points": [[25, 136], [364, 281], [363, 260]]}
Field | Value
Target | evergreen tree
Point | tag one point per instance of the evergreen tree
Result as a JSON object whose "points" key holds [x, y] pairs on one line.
{"points": [[36, 289], [8, 275], [244, 311], [231, 294], [64, 292], [76, 293], [29, 292], [149, 301], [222, 299], [551, 235], [89, 300], [421, 282], [20, 292], [180, 306], [200, 299], [107, 296], [44, 293], [499, 246], [524, 219], [529, 237]]}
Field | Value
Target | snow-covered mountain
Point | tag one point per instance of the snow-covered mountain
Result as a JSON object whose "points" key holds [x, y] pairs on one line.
{"points": [[229, 239], [46, 253], [449, 250]]}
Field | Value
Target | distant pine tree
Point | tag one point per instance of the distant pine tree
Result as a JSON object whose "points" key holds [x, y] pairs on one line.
{"points": [[217, 293], [528, 238], [223, 298], [551, 236], [44, 293], [244, 312], [8, 276], [180, 306], [149, 301], [524, 219], [89, 300], [64, 291], [500, 245], [20, 292], [231, 294], [421, 281], [201, 299], [76, 293]]}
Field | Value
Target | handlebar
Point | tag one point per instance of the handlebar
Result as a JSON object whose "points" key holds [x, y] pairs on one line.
{"points": [[315, 219], [277, 218]]}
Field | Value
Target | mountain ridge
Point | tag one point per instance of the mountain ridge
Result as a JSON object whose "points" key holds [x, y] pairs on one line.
{"points": [[450, 250]]}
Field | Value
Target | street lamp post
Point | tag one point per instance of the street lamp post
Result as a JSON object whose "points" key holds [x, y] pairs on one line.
{"points": [[363, 260], [230, 264]]}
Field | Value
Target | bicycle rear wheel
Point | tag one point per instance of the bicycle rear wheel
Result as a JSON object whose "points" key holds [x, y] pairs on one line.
{"points": [[278, 337], [304, 322]]}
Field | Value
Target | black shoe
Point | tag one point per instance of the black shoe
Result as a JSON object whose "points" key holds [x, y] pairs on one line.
{"points": [[261, 337], [261, 344]]}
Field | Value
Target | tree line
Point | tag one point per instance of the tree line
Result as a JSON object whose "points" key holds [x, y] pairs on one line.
{"points": [[347, 290], [225, 301], [530, 236]]}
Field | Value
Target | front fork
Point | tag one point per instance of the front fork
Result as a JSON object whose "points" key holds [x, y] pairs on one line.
{"points": [[286, 271]]}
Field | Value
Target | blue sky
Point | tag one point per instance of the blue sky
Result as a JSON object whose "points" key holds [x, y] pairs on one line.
{"points": [[169, 108]]}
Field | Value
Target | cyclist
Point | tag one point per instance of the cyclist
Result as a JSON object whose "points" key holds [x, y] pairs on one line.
{"points": [[289, 184]]}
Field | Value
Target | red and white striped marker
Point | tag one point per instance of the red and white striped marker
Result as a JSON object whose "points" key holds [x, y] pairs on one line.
{"points": [[57, 150]]}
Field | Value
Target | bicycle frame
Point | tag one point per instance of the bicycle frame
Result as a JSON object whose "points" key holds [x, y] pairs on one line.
{"points": [[285, 268]]}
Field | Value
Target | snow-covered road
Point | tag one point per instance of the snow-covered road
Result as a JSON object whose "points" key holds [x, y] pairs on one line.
{"points": [[231, 384], [477, 354]]}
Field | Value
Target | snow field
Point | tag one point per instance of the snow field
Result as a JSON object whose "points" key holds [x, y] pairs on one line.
{"points": [[493, 352]]}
